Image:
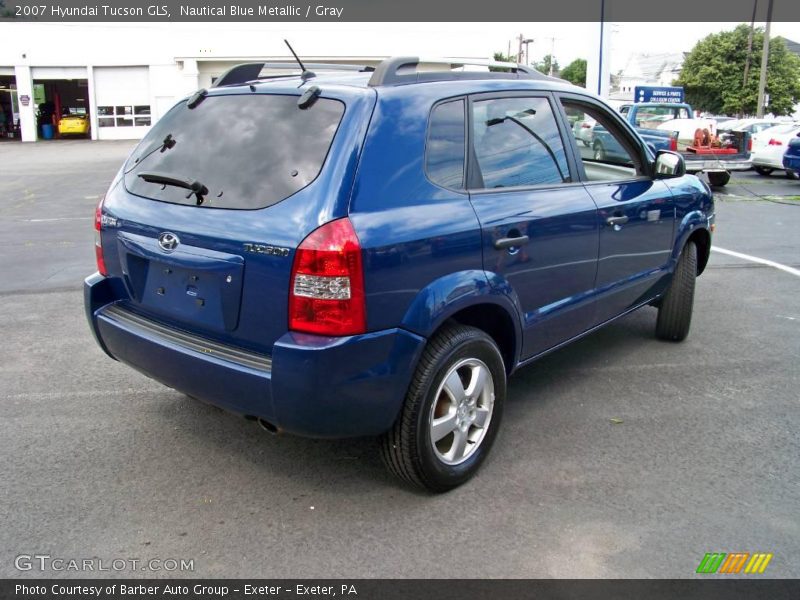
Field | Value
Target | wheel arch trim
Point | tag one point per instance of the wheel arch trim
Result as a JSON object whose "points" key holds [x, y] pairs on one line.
{"points": [[444, 298]]}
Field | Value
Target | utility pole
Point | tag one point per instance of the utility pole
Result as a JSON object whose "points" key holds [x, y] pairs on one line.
{"points": [[762, 82], [749, 56], [520, 39], [552, 54]]}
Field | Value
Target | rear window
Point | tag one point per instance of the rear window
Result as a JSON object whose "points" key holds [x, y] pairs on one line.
{"points": [[237, 151]]}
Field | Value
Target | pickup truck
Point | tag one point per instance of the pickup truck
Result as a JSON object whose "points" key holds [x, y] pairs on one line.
{"points": [[670, 126]]}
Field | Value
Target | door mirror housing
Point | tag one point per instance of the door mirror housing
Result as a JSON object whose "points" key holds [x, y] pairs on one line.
{"points": [[669, 164]]}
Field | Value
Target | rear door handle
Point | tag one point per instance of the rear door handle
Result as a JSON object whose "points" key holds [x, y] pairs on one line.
{"points": [[617, 220], [511, 242]]}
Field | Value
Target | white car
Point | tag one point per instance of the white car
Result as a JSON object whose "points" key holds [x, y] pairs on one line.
{"points": [[751, 126], [584, 130], [769, 146]]}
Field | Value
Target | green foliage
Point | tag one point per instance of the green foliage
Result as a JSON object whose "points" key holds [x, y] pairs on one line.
{"points": [[713, 74], [575, 72], [500, 57], [544, 65]]}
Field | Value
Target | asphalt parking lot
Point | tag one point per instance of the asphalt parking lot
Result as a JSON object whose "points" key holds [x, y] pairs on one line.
{"points": [[620, 456]]}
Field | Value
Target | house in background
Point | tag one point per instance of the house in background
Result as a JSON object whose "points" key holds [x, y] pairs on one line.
{"points": [[646, 69]]}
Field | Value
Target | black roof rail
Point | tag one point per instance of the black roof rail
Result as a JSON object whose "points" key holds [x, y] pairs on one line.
{"points": [[245, 72], [401, 70]]}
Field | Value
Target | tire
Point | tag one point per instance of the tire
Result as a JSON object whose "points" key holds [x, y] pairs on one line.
{"points": [[718, 179], [764, 171], [454, 357], [792, 175], [599, 152], [675, 309]]}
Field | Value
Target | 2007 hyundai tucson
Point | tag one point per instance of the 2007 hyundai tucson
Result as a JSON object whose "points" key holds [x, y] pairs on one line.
{"points": [[373, 252]]}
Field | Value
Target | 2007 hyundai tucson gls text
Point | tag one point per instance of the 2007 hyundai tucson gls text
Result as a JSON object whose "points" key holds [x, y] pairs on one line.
{"points": [[374, 251]]}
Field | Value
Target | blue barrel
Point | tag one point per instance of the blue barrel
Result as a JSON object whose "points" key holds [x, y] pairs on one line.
{"points": [[47, 131]]}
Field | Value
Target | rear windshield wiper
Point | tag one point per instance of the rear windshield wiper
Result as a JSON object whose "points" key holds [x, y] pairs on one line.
{"points": [[194, 187]]}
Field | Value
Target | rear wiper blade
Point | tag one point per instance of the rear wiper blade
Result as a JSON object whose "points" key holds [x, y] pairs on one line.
{"points": [[195, 187]]}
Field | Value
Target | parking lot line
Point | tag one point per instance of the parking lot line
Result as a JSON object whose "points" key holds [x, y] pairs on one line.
{"points": [[756, 259]]}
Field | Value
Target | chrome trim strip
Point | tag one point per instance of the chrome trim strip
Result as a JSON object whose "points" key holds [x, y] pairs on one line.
{"points": [[131, 320]]}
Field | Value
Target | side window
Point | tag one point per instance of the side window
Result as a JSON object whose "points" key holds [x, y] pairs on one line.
{"points": [[444, 160], [517, 143], [607, 153]]}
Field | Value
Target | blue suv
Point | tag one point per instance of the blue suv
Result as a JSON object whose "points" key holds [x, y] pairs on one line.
{"points": [[374, 251]]}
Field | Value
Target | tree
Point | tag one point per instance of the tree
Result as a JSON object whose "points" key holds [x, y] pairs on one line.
{"points": [[500, 57], [575, 72], [713, 74], [544, 65]]}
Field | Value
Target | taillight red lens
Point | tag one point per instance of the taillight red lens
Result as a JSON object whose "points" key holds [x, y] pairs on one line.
{"points": [[673, 143], [749, 143], [326, 294], [774, 142], [98, 241]]}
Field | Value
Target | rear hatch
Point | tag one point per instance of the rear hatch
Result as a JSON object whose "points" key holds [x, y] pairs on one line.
{"points": [[203, 221]]}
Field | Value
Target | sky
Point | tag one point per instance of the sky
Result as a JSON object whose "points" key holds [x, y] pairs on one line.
{"points": [[568, 41]]}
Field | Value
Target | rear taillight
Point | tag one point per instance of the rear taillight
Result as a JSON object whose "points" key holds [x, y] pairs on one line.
{"points": [[673, 143], [749, 143], [774, 142], [326, 294], [98, 241]]}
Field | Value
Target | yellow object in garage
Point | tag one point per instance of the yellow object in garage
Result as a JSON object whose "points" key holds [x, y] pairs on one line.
{"points": [[73, 125]]}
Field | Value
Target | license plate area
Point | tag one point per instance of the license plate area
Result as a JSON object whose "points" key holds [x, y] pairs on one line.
{"points": [[193, 285]]}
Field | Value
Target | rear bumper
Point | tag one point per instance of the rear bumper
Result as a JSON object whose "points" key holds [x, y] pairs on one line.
{"points": [[791, 162], [310, 385], [708, 164]]}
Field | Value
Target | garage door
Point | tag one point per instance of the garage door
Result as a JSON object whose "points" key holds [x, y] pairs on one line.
{"points": [[45, 73], [122, 98]]}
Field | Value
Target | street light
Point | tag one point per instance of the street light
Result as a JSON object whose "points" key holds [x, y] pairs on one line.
{"points": [[527, 54]]}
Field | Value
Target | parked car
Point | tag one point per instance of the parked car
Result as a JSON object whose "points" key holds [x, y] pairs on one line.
{"points": [[769, 146], [374, 253], [721, 121], [791, 159], [751, 126], [584, 131], [74, 124]]}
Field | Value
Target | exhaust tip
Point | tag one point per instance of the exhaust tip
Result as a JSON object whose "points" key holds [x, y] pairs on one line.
{"points": [[268, 427]]}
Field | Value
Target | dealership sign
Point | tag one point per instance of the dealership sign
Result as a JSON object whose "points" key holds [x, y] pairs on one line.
{"points": [[648, 93]]}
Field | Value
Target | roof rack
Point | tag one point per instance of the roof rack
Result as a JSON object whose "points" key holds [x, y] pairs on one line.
{"points": [[401, 70], [250, 71]]}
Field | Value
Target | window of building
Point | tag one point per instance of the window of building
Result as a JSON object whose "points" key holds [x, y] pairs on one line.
{"points": [[123, 116]]}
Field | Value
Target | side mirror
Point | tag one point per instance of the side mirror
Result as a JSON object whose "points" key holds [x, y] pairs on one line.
{"points": [[669, 164]]}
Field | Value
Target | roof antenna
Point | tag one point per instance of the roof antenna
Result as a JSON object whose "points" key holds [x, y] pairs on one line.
{"points": [[306, 74]]}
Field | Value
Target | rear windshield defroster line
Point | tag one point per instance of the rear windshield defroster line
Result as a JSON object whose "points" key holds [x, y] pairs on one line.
{"points": [[250, 151]]}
